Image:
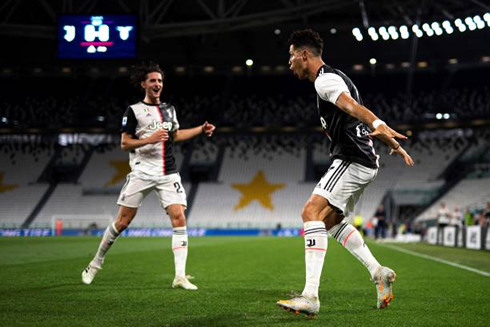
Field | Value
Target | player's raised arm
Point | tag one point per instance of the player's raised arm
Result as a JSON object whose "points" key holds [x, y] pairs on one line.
{"points": [[186, 134], [380, 129]]}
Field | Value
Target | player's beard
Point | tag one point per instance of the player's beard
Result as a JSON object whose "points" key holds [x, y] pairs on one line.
{"points": [[300, 75]]}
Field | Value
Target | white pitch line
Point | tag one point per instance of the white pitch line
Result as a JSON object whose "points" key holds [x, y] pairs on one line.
{"points": [[425, 256]]}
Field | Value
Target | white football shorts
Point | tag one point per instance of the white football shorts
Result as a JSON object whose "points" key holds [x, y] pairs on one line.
{"points": [[343, 184], [168, 188]]}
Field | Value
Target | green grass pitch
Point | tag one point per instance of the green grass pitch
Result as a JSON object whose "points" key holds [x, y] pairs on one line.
{"points": [[239, 279]]}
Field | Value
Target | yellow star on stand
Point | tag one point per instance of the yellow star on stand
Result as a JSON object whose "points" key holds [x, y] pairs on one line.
{"points": [[122, 169], [8, 187], [258, 189]]}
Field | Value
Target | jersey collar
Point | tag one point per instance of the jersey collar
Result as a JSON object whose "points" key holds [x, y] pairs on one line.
{"points": [[323, 69], [154, 104]]}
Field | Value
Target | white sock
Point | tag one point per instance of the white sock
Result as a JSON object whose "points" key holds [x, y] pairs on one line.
{"points": [[179, 247], [316, 243], [351, 239], [110, 236]]}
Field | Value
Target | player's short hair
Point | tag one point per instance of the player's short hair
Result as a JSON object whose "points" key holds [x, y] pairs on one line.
{"points": [[140, 72], [307, 38]]}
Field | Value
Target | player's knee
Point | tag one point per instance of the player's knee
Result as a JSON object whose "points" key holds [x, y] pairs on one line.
{"points": [[178, 219], [178, 216], [308, 213]]}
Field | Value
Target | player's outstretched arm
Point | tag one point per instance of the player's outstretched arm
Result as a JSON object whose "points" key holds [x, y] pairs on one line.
{"points": [[380, 130], [186, 134], [129, 143]]}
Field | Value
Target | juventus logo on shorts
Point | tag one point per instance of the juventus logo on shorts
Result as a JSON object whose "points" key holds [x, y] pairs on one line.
{"points": [[184, 243], [310, 243]]}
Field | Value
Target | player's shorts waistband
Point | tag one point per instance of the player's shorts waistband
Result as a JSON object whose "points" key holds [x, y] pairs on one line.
{"points": [[156, 177]]}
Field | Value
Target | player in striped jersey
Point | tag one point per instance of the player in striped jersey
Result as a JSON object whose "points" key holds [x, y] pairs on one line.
{"points": [[149, 129], [350, 127]]}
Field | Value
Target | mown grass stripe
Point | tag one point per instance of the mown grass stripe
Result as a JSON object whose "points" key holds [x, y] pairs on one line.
{"points": [[426, 256]]}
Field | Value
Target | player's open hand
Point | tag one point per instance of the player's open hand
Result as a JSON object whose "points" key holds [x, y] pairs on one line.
{"points": [[161, 135], [404, 154], [384, 131], [208, 129]]}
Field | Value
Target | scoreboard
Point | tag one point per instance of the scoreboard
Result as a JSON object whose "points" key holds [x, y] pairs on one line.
{"points": [[111, 36]]}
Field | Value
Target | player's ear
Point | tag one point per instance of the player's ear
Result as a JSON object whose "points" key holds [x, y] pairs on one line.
{"points": [[142, 84], [304, 55]]}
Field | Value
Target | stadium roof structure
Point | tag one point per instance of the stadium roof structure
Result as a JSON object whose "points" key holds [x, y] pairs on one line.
{"points": [[170, 18], [226, 31]]}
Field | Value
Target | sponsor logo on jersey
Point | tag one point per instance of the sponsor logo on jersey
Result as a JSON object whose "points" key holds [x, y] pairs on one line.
{"points": [[167, 125], [361, 130], [324, 123]]}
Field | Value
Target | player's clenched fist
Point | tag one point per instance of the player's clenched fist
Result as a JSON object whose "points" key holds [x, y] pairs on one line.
{"points": [[208, 129], [159, 136]]}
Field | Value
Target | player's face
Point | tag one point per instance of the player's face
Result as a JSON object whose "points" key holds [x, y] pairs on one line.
{"points": [[297, 62], [153, 85]]}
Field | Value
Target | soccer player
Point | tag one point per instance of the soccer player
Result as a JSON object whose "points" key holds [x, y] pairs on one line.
{"points": [[149, 129], [350, 127]]}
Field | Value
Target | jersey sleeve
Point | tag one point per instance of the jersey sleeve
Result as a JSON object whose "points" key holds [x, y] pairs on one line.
{"points": [[175, 122], [129, 122], [329, 86]]}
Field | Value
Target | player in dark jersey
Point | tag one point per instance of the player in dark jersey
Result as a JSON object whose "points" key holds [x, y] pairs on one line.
{"points": [[149, 129], [350, 127]]}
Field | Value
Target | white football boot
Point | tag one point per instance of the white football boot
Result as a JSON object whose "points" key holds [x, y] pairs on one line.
{"points": [[384, 278], [183, 282], [89, 273], [310, 306]]}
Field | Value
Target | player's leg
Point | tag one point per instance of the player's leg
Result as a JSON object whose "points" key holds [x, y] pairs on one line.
{"points": [[316, 244], [316, 239], [173, 198], [130, 198], [110, 236], [340, 194], [343, 196], [351, 239], [179, 246], [124, 218]]}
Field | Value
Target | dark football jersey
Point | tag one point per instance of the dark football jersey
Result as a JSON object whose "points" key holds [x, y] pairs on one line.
{"points": [[349, 137]]}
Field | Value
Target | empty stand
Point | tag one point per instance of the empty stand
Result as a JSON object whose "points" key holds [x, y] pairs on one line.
{"points": [[19, 192]]}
